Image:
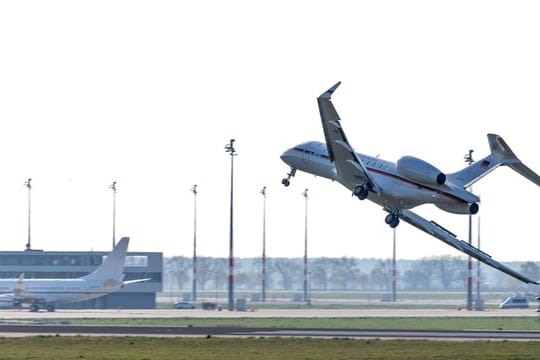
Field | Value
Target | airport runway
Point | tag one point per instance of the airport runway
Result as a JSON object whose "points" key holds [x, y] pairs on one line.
{"points": [[167, 313], [25, 323], [91, 330]]}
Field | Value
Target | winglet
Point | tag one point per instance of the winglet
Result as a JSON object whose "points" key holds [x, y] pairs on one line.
{"points": [[328, 93]]}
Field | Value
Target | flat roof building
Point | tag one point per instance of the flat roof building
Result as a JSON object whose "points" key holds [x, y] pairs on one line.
{"points": [[38, 264]]}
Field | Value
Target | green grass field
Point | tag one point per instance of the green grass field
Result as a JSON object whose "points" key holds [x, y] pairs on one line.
{"points": [[206, 347], [413, 323], [147, 348]]}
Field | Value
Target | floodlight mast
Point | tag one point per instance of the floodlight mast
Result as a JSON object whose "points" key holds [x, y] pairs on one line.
{"points": [[469, 160], [394, 277], [29, 186], [263, 192], [229, 148], [479, 303], [194, 191], [113, 188], [306, 298]]}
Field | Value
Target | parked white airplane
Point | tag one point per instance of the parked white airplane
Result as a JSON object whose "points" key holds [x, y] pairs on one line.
{"points": [[47, 293], [399, 187]]}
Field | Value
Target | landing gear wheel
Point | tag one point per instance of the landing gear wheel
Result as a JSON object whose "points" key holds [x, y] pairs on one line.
{"points": [[360, 192], [34, 308], [389, 218], [285, 182], [50, 308], [392, 220]]}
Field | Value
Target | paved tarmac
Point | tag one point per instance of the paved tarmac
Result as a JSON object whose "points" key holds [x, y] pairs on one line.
{"points": [[19, 330], [261, 313], [15, 323]]}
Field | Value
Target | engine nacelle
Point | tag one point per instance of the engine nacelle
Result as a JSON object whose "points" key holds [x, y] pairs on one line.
{"points": [[420, 171], [459, 208]]}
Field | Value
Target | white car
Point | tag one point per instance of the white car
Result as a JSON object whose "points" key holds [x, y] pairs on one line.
{"points": [[183, 305]]}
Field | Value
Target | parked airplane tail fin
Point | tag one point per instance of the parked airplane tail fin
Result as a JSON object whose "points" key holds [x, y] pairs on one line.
{"points": [[501, 155], [112, 267]]}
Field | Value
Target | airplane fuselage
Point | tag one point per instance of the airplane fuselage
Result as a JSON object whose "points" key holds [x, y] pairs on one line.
{"points": [[107, 278], [397, 191], [58, 291]]}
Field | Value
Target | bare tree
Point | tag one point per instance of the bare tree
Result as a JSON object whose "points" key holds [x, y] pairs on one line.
{"points": [[288, 269], [345, 273]]}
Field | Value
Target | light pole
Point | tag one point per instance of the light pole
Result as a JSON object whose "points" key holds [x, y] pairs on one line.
{"points": [[29, 186], [263, 192], [469, 159], [479, 303], [305, 194], [113, 187], [230, 149], [394, 293], [194, 190]]}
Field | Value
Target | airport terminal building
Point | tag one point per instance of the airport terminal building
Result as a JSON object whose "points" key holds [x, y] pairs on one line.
{"points": [[40, 264]]}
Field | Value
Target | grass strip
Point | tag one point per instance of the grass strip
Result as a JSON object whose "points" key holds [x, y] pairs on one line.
{"points": [[142, 348], [369, 323]]}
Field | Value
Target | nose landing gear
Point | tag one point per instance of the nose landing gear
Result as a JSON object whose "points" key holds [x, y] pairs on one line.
{"points": [[287, 181]]}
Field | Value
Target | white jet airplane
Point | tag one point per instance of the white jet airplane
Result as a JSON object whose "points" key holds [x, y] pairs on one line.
{"points": [[47, 293], [399, 187]]}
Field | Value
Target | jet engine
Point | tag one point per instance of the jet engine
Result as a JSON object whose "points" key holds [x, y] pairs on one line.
{"points": [[420, 171], [459, 208]]}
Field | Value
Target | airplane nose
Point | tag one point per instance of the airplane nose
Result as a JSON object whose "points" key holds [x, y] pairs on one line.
{"points": [[287, 157]]}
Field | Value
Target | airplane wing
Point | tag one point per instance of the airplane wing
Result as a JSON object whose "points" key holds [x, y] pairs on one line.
{"points": [[348, 165], [7, 301], [443, 234]]}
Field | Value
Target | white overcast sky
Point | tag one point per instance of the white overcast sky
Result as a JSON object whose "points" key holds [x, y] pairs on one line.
{"points": [[147, 93]]}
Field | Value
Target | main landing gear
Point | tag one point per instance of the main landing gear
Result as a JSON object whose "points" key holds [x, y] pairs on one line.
{"points": [[392, 219], [361, 192], [287, 181]]}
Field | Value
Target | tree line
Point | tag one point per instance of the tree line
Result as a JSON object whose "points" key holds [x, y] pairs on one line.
{"points": [[341, 274]]}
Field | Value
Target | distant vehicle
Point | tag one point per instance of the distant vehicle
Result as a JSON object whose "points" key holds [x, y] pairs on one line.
{"points": [[515, 302], [47, 293], [209, 306], [183, 305]]}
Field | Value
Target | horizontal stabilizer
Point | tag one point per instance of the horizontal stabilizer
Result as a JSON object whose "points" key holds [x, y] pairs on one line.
{"points": [[501, 155], [128, 282], [502, 152], [524, 170]]}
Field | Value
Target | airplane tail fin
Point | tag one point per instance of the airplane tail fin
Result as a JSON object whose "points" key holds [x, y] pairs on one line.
{"points": [[501, 155], [113, 266]]}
